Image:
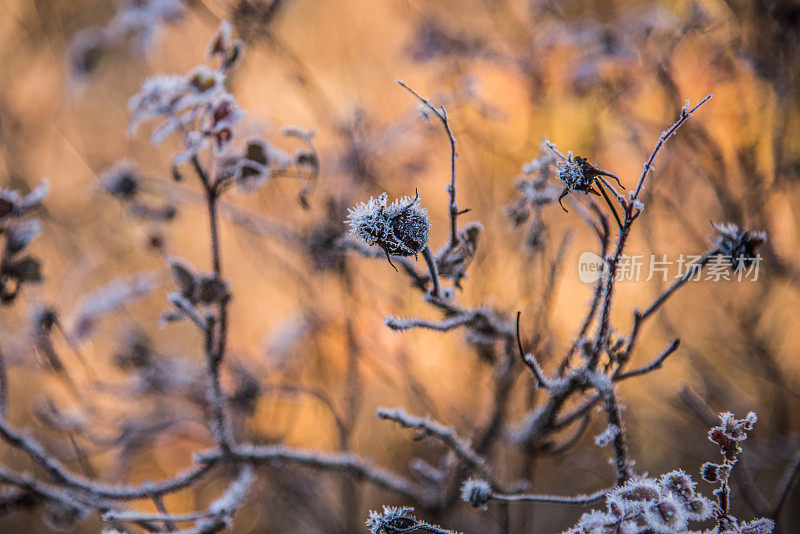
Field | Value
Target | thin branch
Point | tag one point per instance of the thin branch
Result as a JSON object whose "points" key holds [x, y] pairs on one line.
{"points": [[431, 261], [158, 500], [446, 435], [215, 342], [788, 482], [686, 113], [530, 361], [343, 462], [573, 439], [61, 474], [631, 212], [441, 114], [398, 324], [652, 366], [3, 385], [126, 516], [577, 499], [610, 204], [621, 462]]}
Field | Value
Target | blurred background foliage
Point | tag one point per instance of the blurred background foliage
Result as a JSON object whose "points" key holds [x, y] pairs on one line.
{"points": [[601, 78]]}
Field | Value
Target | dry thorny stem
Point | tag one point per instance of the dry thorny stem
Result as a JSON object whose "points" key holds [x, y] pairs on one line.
{"points": [[583, 386]]}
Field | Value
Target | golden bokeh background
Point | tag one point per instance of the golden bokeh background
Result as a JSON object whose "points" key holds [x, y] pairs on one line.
{"points": [[602, 78]]}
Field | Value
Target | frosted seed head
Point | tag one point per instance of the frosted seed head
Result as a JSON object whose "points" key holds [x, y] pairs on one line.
{"points": [[391, 520], [476, 492], [401, 228], [573, 175], [737, 244], [121, 181], [85, 52]]}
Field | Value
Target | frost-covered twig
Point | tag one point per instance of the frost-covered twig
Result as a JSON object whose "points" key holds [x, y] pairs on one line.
{"points": [[652, 366], [531, 361], [344, 462], [441, 114], [446, 435], [686, 113], [621, 460], [478, 492], [445, 325]]}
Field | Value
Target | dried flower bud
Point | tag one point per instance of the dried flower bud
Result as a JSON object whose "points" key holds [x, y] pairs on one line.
{"points": [[679, 483], [391, 521], [121, 180], [710, 472], [253, 167], [196, 288], [666, 516], [203, 79], [737, 244], [454, 259], [476, 492], [224, 46], [401, 228], [699, 509], [577, 174], [12, 204], [638, 490], [135, 352], [86, 51], [20, 235]]}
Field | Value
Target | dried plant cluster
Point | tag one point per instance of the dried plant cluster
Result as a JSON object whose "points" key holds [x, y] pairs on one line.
{"points": [[198, 110]]}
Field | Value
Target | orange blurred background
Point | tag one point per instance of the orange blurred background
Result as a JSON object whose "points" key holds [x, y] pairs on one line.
{"points": [[602, 78]]}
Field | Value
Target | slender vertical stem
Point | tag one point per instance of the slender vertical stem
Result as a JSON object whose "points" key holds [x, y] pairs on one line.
{"points": [[3, 386], [214, 229], [621, 462], [431, 261], [790, 478], [216, 332], [503, 520], [158, 500], [610, 204], [441, 114]]}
